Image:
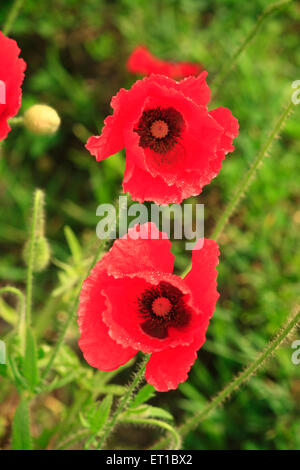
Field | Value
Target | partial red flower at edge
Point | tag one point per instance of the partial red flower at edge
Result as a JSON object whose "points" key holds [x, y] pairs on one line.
{"points": [[141, 61], [132, 302], [11, 78], [174, 145]]}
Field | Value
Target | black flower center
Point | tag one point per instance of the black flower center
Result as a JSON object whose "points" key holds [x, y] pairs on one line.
{"points": [[160, 129], [161, 307]]}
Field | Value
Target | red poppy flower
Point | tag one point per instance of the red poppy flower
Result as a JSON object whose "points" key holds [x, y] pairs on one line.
{"points": [[174, 145], [143, 62], [11, 77], [132, 302]]}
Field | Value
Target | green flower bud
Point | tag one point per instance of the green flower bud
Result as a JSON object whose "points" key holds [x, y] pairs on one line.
{"points": [[41, 255]]}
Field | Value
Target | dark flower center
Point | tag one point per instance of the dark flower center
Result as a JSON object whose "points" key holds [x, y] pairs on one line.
{"points": [[161, 307], [160, 129]]}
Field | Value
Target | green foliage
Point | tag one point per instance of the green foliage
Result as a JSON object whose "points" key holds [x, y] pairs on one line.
{"points": [[78, 66], [21, 438], [30, 364], [143, 395]]}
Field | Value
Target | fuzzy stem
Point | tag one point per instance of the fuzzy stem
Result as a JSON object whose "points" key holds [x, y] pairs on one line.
{"points": [[269, 10], [245, 181], [234, 385], [38, 200], [250, 173], [12, 15], [22, 323], [125, 401], [16, 121]]}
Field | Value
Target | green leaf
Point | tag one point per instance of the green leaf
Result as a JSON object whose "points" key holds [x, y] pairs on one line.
{"points": [[147, 411], [21, 438], [155, 412], [102, 413], [73, 243], [30, 367], [147, 392]]}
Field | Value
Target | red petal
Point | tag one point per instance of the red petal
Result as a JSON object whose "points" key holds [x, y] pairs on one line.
{"points": [[202, 278], [98, 348], [230, 127], [109, 142], [12, 74], [143, 62], [144, 248], [167, 369], [142, 186]]}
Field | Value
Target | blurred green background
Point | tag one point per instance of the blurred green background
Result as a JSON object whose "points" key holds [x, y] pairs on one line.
{"points": [[76, 53]]}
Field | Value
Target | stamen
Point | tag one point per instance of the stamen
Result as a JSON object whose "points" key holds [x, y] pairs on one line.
{"points": [[161, 306], [159, 129]]}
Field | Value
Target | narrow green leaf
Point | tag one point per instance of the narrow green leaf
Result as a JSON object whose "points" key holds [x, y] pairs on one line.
{"points": [[147, 392], [100, 417], [73, 243], [155, 412], [21, 438], [30, 367]]}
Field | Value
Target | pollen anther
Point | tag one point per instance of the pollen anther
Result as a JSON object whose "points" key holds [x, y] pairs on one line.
{"points": [[159, 129], [161, 306]]}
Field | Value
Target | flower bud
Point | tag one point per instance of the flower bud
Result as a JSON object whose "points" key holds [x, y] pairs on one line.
{"points": [[41, 255], [41, 119]]}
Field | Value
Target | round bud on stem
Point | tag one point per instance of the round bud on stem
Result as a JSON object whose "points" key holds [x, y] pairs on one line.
{"points": [[41, 119], [41, 254]]}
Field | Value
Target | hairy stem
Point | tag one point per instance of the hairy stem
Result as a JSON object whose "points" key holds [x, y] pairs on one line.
{"points": [[228, 66], [235, 384], [245, 181], [16, 121], [249, 175], [38, 201], [12, 15], [124, 402]]}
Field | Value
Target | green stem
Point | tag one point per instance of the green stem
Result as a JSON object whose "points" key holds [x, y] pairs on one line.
{"points": [[16, 121], [70, 318], [245, 181], [160, 424], [38, 199], [124, 402], [12, 15], [269, 10], [235, 384], [22, 323]]}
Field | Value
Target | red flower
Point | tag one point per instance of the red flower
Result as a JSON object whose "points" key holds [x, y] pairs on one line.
{"points": [[174, 145], [11, 77], [131, 301], [143, 62]]}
